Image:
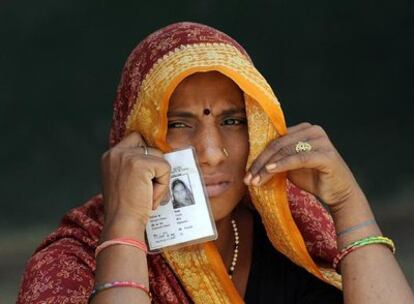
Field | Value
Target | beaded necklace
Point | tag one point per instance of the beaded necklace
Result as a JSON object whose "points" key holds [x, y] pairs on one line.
{"points": [[236, 248]]}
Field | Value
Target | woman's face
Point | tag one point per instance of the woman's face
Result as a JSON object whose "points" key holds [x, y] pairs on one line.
{"points": [[179, 193], [207, 112]]}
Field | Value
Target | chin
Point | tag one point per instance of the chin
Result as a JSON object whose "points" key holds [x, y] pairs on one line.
{"points": [[221, 208]]}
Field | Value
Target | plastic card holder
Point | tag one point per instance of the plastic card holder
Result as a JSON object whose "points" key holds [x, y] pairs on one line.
{"points": [[186, 219]]}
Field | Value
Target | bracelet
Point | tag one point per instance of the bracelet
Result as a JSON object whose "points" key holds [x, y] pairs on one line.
{"points": [[356, 227], [121, 241], [360, 243], [105, 286]]}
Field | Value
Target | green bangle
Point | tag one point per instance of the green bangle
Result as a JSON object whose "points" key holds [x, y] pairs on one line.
{"points": [[360, 243]]}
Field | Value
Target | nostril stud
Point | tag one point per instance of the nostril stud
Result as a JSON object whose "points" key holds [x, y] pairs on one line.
{"points": [[206, 112]]}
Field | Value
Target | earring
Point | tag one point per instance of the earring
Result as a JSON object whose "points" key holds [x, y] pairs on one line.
{"points": [[225, 152]]}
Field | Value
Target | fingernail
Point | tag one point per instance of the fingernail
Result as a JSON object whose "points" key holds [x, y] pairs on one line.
{"points": [[166, 199], [256, 180], [271, 167], [248, 178]]}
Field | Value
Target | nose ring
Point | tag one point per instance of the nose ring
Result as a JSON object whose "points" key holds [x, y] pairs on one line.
{"points": [[225, 152]]}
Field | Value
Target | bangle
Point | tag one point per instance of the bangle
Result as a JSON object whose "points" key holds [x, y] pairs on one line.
{"points": [[360, 243], [121, 241], [356, 227], [113, 284]]}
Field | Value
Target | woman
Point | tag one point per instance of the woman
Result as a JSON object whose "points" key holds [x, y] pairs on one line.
{"points": [[182, 196], [189, 84]]}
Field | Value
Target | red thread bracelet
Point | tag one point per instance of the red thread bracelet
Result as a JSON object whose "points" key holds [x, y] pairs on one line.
{"points": [[121, 241]]}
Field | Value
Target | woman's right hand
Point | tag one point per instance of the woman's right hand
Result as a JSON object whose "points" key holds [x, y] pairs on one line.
{"points": [[133, 183]]}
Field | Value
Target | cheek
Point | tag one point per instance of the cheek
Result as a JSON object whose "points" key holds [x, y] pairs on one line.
{"points": [[244, 151], [224, 205], [239, 147], [176, 140]]}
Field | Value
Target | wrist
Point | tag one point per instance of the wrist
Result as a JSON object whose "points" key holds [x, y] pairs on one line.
{"points": [[354, 203], [352, 212], [123, 226]]}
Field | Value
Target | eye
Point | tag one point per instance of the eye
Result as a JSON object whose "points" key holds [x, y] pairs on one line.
{"points": [[234, 121], [177, 125]]}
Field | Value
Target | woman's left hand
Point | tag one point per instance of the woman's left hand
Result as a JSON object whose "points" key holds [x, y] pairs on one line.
{"points": [[320, 171]]}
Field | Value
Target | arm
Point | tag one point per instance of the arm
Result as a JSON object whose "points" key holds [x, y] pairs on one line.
{"points": [[371, 273], [133, 184], [122, 263]]}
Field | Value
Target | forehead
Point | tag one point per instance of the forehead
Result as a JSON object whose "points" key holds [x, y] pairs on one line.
{"points": [[206, 89], [178, 186]]}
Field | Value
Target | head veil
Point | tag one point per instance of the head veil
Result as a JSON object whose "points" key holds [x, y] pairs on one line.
{"points": [[295, 223]]}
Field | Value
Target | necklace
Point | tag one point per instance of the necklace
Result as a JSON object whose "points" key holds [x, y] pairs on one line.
{"points": [[236, 248]]}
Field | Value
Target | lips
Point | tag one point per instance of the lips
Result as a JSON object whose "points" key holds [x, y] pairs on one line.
{"points": [[217, 189], [216, 185]]}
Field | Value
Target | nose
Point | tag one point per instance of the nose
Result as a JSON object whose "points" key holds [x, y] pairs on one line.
{"points": [[209, 146]]}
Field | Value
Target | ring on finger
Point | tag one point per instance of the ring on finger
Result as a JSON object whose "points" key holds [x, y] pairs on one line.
{"points": [[145, 149], [303, 146]]}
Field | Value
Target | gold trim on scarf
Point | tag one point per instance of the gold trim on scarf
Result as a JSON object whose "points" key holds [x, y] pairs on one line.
{"points": [[200, 268]]}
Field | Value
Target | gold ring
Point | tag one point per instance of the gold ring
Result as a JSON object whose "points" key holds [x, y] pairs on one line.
{"points": [[303, 146], [225, 152]]}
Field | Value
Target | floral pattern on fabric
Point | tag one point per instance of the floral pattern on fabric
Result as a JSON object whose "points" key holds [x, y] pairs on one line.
{"points": [[62, 268], [314, 222]]}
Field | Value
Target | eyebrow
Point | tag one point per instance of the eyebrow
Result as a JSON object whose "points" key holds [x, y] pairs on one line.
{"points": [[227, 112]]}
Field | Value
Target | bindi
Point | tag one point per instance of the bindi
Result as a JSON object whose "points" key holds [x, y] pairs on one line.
{"points": [[206, 112]]}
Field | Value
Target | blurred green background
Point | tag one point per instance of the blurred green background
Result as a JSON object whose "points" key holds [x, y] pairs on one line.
{"points": [[344, 65]]}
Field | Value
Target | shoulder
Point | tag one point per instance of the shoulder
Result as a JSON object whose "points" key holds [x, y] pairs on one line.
{"points": [[83, 224], [62, 266]]}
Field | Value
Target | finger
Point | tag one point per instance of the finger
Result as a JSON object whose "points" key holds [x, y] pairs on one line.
{"points": [[320, 144], [155, 205], [163, 198], [162, 176], [166, 199], [156, 172], [133, 139], [160, 194], [298, 127], [303, 160], [268, 170], [307, 128], [153, 154], [161, 181], [147, 151], [275, 146]]}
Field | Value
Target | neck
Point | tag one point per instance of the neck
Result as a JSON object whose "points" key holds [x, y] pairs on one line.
{"points": [[225, 238], [225, 245]]}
